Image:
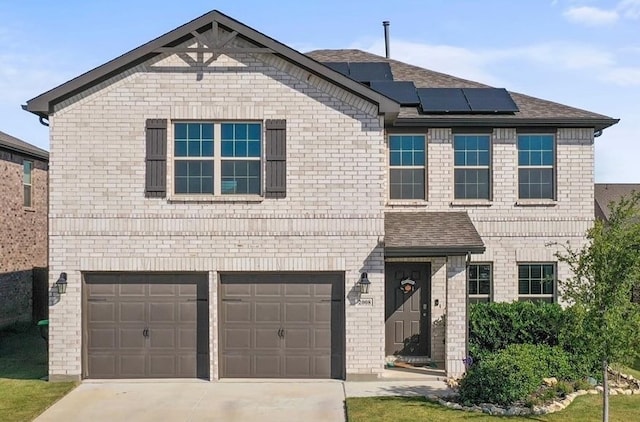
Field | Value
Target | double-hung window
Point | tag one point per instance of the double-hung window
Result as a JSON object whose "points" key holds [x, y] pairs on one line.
{"points": [[407, 160], [479, 278], [217, 158], [536, 281], [27, 168], [535, 166], [471, 166]]}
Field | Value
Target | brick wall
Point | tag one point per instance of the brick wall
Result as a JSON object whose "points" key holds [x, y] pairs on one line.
{"points": [[23, 234], [331, 219]]}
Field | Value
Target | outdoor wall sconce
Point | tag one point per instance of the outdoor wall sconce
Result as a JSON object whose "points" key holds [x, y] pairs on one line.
{"points": [[364, 284], [61, 284]]}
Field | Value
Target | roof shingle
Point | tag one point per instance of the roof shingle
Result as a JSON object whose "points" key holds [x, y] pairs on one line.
{"points": [[605, 193], [10, 142]]}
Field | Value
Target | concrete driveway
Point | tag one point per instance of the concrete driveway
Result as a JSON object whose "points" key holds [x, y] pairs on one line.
{"points": [[193, 400]]}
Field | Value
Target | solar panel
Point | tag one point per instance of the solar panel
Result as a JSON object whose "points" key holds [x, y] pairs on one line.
{"points": [[370, 71], [443, 100], [402, 92], [342, 67], [489, 100]]}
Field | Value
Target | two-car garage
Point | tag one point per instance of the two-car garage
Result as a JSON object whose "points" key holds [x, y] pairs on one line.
{"points": [[156, 325]]}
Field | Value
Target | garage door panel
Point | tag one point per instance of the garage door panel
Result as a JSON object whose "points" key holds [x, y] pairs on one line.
{"points": [[102, 312], [102, 338], [132, 312], [322, 312], [131, 338], [162, 312], [236, 312], [132, 366], [102, 365], [187, 338], [296, 329], [267, 366], [267, 312], [187, 312], [146, 325], [132, 290], [266, 290], [162, 288], [299, 313]]}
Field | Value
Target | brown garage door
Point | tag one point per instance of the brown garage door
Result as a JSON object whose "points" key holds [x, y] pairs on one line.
{"points": [[282, 325], [146, 325]]}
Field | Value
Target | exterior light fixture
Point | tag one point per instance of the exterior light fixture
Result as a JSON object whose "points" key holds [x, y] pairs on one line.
{"points": [[61, 284], [364, 284]]}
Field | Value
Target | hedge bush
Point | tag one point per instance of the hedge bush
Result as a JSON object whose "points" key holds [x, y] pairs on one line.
{"points": [[514, 373]]}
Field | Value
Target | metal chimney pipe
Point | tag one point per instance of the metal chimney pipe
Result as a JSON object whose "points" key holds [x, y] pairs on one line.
{"points": [[387, 50]]}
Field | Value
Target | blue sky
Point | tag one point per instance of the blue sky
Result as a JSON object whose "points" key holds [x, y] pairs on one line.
{"points": [[583, 53]]}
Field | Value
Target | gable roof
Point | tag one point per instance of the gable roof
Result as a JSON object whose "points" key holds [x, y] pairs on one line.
{"points": [[14, 144], [42, 105], [605, 193], [533, 111], [430, 234]]}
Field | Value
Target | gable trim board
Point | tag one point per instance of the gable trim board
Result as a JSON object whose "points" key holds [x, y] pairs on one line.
{"points": [[43, 104]]}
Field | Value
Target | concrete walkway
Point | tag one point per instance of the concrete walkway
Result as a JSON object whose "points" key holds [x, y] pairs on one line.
{"points": [[229, 400]]}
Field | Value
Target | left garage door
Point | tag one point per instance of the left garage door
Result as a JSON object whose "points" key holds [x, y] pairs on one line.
{"points": [[145, 325]]}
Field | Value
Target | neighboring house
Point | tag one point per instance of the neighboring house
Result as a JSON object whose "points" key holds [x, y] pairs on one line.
{"points": [[217, 199], [605, 194], [23, 231]]}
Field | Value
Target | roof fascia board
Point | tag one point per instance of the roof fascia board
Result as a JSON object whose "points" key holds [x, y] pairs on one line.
{"points": [[432, 252], [44, 156], [43, 104], [597, 124]]}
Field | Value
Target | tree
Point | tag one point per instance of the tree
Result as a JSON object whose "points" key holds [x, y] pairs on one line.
{"points": [[605, 270]]}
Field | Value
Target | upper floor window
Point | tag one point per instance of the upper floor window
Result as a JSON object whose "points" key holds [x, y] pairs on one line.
{"points": [[471, 166], [230, 166], [27, 168], [480, 280], [536, 159], [536, 281], [407, 160]]}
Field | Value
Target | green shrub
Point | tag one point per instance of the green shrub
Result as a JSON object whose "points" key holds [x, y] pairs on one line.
{"points": [[514, 373], [582, 384], [494, 326], [563, 388]]}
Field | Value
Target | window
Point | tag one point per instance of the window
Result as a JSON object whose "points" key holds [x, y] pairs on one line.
{"points": [[407, 166], [231, 166], [27, 167], [471, 166], [479, 283], [536, 282], [535, 166]]}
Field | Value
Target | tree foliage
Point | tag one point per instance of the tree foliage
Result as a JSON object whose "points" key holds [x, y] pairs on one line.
{"points": [[605, 270]]}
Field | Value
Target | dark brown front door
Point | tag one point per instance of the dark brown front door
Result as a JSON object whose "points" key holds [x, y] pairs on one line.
{"points": [[141, 325], [407, 310], [281, 325]]}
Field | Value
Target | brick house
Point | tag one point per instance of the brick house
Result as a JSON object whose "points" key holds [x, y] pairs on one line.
{"points": [[237, 195], [23, 231]]}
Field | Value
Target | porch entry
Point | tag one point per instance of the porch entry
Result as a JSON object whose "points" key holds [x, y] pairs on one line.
{"points": [[407, 310]]}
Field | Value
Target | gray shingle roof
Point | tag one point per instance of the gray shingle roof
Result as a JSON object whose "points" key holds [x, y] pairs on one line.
{"points": [[605, 193], [12, 143], [530, 107], [430, 234]]}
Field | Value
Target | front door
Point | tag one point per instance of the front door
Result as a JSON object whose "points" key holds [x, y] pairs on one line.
{"points": [[407, 309]]}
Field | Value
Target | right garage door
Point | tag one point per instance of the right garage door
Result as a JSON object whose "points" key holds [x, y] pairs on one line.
{"points": [[282, 325]]}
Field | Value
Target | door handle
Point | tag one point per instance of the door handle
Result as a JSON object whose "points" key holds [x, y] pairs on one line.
{"points": [[281, 332], [145, 332]]}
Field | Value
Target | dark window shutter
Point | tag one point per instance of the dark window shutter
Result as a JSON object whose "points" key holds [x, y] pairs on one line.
{"points": [[276, 159], [156, 174]]}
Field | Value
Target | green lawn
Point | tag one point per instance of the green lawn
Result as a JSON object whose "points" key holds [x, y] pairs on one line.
{"points": [[23, 361], [410, 409]]}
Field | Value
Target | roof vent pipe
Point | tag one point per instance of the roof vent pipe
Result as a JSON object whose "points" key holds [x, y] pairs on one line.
{"points": [[387, 50]]}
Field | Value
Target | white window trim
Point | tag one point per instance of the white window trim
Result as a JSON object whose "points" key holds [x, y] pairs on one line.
{"points": [[407, 201], [538, 201], [552, 296], [217, 159], [482, 296], [30, 184], [472, 201]]}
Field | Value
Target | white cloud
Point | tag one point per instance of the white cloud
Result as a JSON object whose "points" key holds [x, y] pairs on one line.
{"points": [[623, 76], [629, 8], [591, 16]]}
